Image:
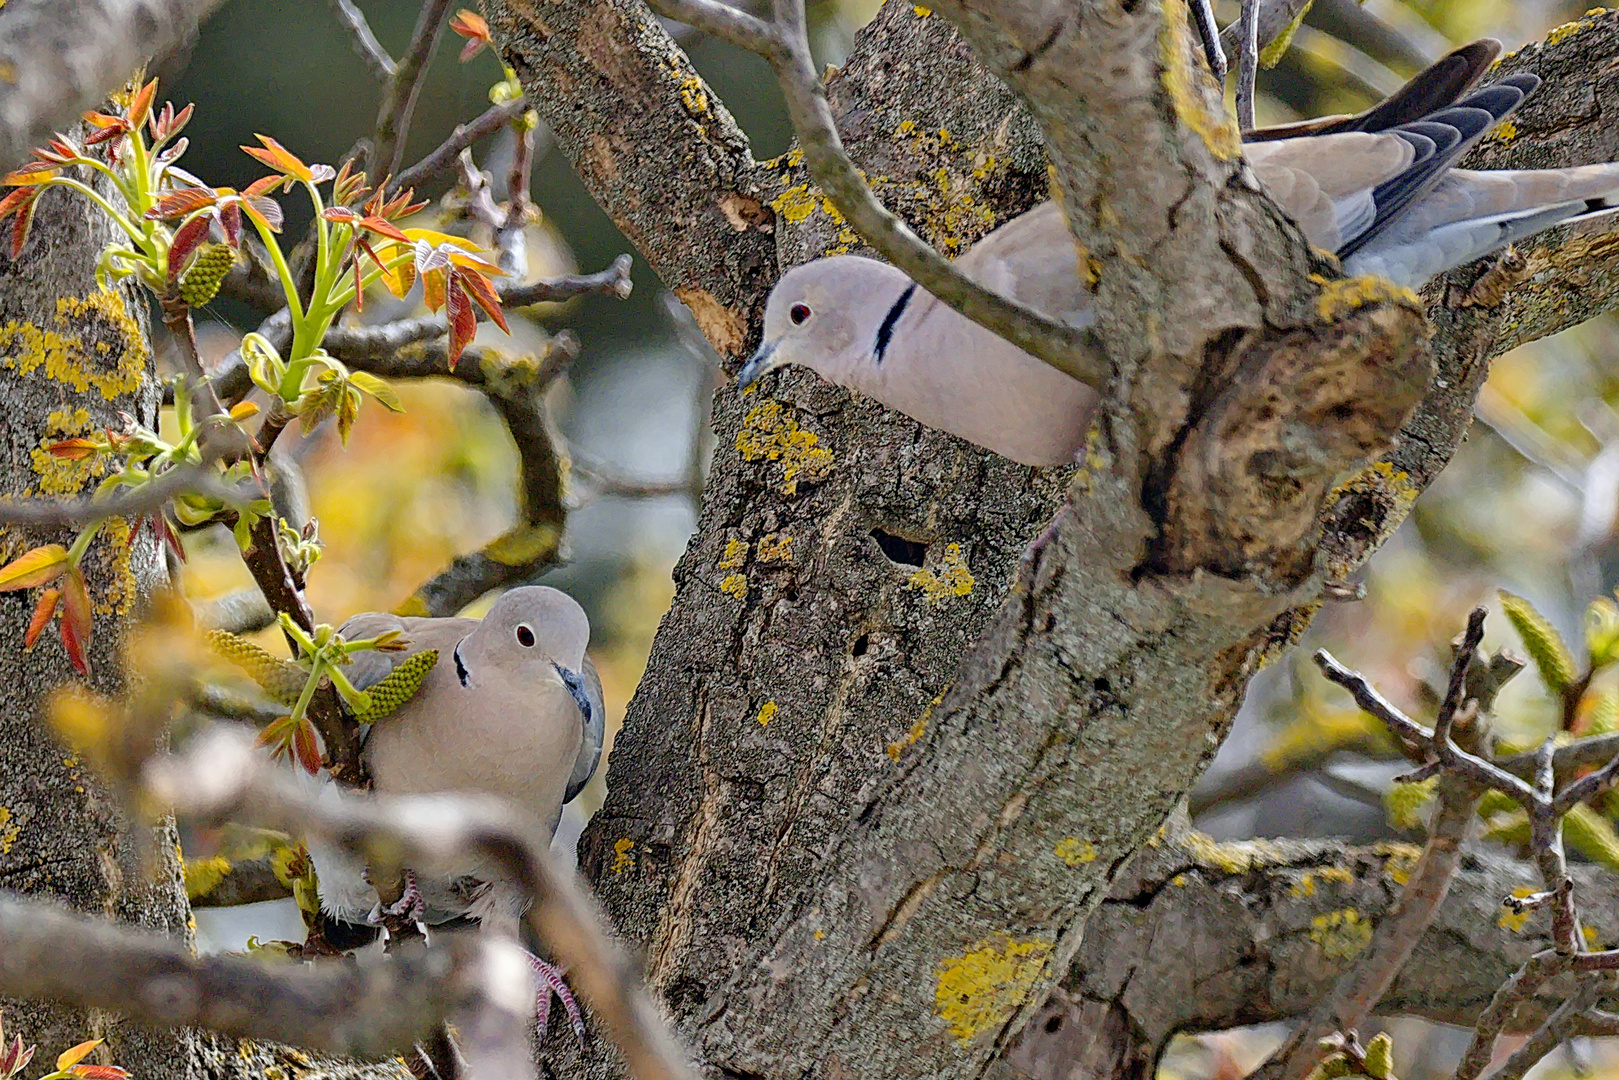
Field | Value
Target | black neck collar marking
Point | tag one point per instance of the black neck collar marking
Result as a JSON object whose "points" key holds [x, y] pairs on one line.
{"points": [[885, 332]]}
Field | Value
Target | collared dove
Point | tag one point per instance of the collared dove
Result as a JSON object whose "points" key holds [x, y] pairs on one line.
{"points": [[1378, 189], [513, 708]]}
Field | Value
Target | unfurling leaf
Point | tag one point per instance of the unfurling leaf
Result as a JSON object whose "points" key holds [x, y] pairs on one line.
{"points": [[37, 567], [76, 449], [1544, 644]]}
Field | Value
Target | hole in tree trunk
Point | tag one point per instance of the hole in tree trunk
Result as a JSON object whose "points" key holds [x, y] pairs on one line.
{"points": [[900, 551]]}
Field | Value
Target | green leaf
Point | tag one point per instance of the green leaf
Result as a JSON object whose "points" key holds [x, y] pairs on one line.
{"points": [[377, 389], [1545, 645]]}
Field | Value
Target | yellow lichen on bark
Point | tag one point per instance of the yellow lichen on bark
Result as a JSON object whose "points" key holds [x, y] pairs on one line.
{"points": [[61, 355], [1193, 108], [979, 990]]}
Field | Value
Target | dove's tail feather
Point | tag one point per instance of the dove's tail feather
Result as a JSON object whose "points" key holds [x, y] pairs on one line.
{"points": [[1470, 214], [1431, 89], [1440, 139]]}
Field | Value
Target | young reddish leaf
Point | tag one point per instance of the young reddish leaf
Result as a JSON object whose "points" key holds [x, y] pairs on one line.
{"points": [[171, 153], [165, 532], [230, 222], [341, 214], [102, 121], [35, 172], [359, 281], [175, 126], [187, 238], [258, 187], [463, 321], [306, 748], [70, 1058], [14, 199], [139, 107], [273, 734], [471, 25], [182, 201], [41, 617], [20, 224], [382, 226], [280, 159], [74, 449], [433, 288], [76, 620], [100, 1072], [40, 566], [482, 294], [267, 212]]}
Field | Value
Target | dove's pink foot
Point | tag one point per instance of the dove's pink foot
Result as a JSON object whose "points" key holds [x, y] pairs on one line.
{"points": [[551, 982], [409, 908]]}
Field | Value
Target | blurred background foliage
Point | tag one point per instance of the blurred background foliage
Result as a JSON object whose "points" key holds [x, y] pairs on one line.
{"points": [[1529, 504]]}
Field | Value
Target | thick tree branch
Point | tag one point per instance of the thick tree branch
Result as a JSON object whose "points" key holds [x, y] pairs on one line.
{"points": [[61, 57]]}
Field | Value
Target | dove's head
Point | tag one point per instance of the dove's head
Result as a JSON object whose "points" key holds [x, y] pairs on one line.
{"points": [[532, 621], [829, 316]]}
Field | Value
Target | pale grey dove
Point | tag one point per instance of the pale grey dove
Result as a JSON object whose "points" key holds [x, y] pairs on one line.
{"points": [[1378, 189], [513, 709]]}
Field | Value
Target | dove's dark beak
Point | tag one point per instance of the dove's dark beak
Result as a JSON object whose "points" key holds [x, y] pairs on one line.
{"points": [[758, 364]]}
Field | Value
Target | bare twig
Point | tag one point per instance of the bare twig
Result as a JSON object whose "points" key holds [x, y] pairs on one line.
{"points": [[783, 45], [223, 778], [1247, 62], [1464, 777], [443, 157], [126, 503], [399, 98], [366, 45], [1351, 1001], [605, 480]]}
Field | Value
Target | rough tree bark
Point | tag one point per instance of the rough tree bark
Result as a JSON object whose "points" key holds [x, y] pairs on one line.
{"points": [[846, 847], [72, 358]]}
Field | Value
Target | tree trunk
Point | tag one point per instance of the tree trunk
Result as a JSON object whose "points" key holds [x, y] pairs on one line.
{"points": [[72, 359]]}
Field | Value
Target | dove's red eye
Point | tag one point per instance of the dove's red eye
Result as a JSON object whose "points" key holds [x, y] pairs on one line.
{"points": [[798, 313], [525, 637]]}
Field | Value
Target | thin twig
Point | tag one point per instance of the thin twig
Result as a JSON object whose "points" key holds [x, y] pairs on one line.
{"points": [[443, 157], [784, 46], [366, 45], [1247, 63], [399, 98], [608, 481], [200, 479]]}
